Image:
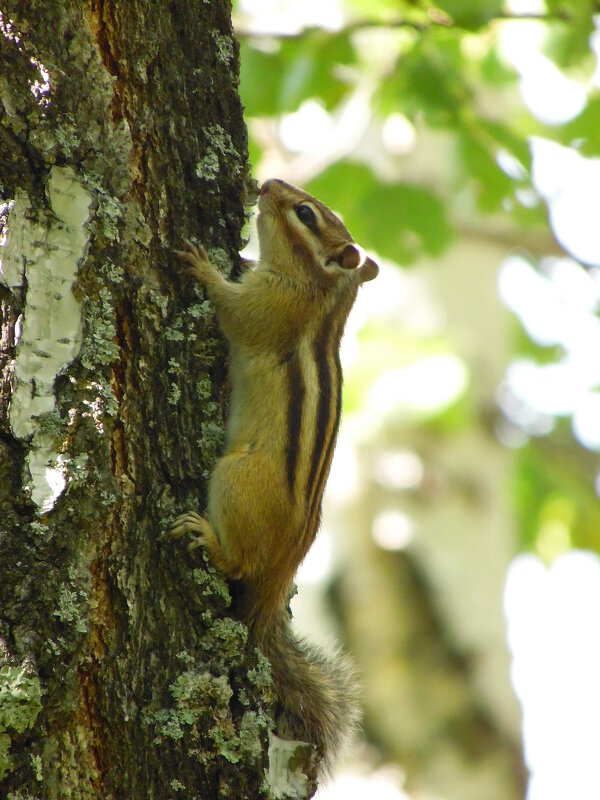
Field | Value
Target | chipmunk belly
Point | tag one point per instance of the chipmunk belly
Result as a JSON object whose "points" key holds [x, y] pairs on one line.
{"points": [[257, 417]]}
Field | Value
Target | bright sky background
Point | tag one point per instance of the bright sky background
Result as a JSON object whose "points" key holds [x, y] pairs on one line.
{"points": [[552, 612]]}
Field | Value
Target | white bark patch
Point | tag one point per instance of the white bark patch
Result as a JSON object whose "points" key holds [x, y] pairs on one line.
{"points": [[46, 257], [284, 779]]}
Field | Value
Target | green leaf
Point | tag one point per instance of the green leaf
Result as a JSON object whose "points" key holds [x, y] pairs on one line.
{"points": [[259, 81], [428, 81], [550, 473], [400, 221], [300, 68], [478, 146], [504, 137], [491, 185], [568, 40], [471, 15], [585, 129], [379, 9], [494, 70], [255, 151]]}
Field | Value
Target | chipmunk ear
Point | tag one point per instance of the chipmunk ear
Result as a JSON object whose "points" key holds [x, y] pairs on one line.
{"points": [[350, 257], [368, 270]]}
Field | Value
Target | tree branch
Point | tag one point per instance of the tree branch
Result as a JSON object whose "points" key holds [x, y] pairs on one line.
{"points": [[436, 19]]}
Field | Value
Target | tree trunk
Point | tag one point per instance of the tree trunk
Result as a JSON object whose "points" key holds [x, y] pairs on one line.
{"points": [[122, 673]]}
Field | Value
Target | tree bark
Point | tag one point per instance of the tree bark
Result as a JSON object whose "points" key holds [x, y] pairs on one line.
{"points": [[122, 672]]}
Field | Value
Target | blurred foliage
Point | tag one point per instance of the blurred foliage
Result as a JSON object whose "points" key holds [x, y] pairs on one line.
{"points": [[440, 66], [298, 69], [398, 219]]}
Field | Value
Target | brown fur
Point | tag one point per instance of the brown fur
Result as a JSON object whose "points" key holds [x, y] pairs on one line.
{"points": [[286, 314]]}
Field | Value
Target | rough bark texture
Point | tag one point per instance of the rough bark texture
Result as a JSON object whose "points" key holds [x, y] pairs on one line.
{"points": [[121, 673]]}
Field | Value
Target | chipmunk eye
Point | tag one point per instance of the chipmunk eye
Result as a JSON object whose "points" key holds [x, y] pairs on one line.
{"points": [[308, 217]]}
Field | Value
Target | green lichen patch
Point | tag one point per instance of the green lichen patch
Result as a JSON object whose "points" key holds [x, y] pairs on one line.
{"points": [[200, 703], [261, 677], [212, 586], [253, 725], [174, 395], [208, 166], [200, 716], [36, 763], [211, 441], [5, 759], [22, 794], [175, 370], [174, 333], [20, 704], [221, 155], [71, 601], [98, 346], [201, 310], [220, 259], [230, 637], [20, 698], [68, 609], [111, 272], [110, 211], [224, 46], [203, 389], [51, 423]]}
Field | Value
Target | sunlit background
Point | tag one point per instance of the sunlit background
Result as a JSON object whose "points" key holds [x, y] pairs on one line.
{"points": [[458, 556]]}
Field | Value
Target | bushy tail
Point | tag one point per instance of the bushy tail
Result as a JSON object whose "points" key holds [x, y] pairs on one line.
{"points": [[318, 691]]}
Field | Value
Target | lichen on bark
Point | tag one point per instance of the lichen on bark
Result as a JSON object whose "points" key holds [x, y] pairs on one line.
{"points": [[128, 673]]}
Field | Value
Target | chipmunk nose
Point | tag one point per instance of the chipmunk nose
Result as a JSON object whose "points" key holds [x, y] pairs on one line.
{"points": [[268, 184]]}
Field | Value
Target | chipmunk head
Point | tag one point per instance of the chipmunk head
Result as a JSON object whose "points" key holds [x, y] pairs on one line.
{"points": [[295, 230]]}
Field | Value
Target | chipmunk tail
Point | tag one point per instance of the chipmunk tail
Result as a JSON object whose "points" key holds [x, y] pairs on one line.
{"points": [[318, 691]]}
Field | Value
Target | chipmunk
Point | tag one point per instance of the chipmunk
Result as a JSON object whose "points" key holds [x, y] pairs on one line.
{"points": [[284, 321]]}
